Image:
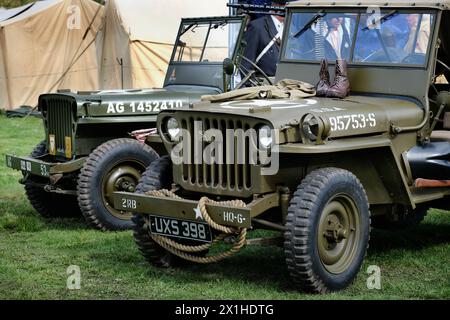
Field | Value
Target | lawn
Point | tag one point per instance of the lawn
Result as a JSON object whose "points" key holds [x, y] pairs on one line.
{"points": [[35, 254]]}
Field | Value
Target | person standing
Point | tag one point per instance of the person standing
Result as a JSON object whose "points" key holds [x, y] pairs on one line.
{"points": [[263, 37], [422, 37]]}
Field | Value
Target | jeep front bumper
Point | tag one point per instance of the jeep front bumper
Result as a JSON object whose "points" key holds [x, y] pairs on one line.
{"points": [[188, 209], [36, 167]]}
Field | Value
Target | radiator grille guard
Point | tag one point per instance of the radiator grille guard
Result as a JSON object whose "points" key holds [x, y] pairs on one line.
{"points": [[241, 178], [59, 113]]}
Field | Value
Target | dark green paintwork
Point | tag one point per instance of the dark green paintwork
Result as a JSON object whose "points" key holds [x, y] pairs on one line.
{"points": [[101, 116], [395, 98]]}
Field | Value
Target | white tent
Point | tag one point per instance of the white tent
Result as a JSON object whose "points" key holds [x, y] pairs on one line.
{"points": [[46, 46], [140, 34]]}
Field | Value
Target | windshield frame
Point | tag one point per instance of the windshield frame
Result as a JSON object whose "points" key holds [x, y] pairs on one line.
{"points": [[205, 21], [360, 12]]}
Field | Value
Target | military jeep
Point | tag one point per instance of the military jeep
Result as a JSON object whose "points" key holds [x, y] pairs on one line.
{"points": [[325, 167], [88, 152]]}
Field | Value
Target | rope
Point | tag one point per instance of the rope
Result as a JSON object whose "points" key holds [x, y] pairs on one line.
{"points": [[186, 252]]}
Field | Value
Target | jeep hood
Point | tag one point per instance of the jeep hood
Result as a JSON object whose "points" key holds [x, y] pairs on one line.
{"points": [[133, 102], [355, 115]]}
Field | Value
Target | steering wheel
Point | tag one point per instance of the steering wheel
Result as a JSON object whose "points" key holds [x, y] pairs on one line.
{"points": [[445, 66], [250, 75]]}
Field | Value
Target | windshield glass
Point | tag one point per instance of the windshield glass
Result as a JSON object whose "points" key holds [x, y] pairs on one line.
{"points": [[207, 41], [391, 37]]}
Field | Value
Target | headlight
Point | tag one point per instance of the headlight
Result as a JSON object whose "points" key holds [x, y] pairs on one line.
{"points": [[265, 137], [311, 128], [173, 128], [314, 129]]}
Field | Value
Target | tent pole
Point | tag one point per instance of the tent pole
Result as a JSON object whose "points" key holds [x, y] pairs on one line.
{"points": [[120, 62]]}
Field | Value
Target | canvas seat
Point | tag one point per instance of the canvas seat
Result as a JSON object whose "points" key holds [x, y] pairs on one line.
{"points": [[440, 135]]}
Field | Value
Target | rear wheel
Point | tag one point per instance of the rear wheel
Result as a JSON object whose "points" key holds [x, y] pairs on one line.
{"points": [[158, 176], [48, 205], [328, 228], [116, 165]]}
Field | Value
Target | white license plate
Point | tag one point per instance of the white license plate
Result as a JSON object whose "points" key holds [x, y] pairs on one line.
{"points": [[184, 229]]}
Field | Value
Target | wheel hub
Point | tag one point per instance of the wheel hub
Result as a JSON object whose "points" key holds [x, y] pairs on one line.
{"points": [[125, 184], [337, 239], [335, 231], [122, 178]]}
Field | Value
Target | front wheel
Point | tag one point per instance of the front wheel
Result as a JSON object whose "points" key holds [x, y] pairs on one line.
{"points": [[327, 231], [116, 165], [158, 176], [48, 205]]}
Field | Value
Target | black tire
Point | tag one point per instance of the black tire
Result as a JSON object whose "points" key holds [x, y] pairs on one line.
{"points": [[158, 176], [404, 218], [116, 165], [48, 205], [321, 195]]}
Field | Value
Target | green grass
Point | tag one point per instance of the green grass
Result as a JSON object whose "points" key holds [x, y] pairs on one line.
{"points": [[35, 254]]}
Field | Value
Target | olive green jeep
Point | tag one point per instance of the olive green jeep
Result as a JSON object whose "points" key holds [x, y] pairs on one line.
{"points": [[324, 168], [88, 152]]}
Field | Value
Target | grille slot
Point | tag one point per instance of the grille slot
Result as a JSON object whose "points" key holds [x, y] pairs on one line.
{"points": [[60, 121], [234, 173]]}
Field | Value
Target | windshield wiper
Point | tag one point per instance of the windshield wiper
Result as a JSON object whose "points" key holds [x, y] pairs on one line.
{"points": [[382, 20], [308, 25]]}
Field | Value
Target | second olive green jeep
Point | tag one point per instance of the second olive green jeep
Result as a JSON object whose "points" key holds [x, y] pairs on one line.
{"points": [[325, 169]]}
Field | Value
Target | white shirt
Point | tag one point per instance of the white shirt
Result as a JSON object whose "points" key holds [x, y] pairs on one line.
{"points": [[278, 25], [334, 37]]}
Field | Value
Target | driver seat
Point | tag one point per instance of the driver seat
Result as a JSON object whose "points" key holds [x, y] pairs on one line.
{"points": [[440, 136]]}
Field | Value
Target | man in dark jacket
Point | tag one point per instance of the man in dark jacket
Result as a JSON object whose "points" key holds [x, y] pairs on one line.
{"points": [[263, 37]]}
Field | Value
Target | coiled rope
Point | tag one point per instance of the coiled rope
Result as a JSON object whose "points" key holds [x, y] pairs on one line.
{"points": [[186, 251]]}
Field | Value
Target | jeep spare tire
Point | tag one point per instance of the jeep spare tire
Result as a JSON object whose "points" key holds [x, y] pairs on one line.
{"points": [[116, 165]]}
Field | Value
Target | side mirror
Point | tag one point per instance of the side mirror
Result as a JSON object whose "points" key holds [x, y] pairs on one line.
{"points": [[228, 66]]}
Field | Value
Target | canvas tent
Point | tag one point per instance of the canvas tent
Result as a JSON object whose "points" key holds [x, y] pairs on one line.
{"points": [[47, 46], [140, 34], [6, 14], [43, 47]]}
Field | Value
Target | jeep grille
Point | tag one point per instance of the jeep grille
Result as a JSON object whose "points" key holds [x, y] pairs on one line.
{"points": [[59, 117], [224, 179]]}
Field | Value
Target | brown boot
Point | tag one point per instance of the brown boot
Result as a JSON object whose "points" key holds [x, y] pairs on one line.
{"points": [[341, 86], [323, 85]]}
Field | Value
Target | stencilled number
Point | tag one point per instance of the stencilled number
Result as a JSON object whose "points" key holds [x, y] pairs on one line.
{"points": [[354, 121], [156, 106], [44, 171], [151, 106], [25, 165], [129, 204]]}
